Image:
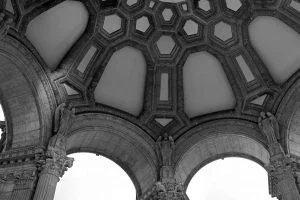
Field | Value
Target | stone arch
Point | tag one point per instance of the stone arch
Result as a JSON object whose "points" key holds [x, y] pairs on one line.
{"points": [[118, 140], [25, 96], [288, 115], [214, 140]]}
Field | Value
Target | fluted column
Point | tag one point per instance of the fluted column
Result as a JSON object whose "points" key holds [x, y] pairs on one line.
{"points": [[52, 167], [282, 181], [51, 170]]}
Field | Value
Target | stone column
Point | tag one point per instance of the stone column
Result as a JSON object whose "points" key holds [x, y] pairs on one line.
{"points": [[51, 170], [282, 182]]}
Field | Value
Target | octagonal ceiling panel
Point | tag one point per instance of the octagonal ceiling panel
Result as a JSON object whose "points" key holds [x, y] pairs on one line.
{"points": [[278, 45], [206, 88], [122, 83], [55, 31]]}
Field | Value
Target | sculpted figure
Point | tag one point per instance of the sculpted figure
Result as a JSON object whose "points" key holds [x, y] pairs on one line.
{"points": [[5, 23], [268, 124], [63, 118], [165, 147]]}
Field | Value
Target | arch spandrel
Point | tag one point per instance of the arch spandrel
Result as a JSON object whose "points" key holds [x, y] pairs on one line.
{"points": [[206, 143], [119, 140]]}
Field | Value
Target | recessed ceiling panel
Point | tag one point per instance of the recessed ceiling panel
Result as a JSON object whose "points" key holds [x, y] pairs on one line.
{"points": [[206, 88], [259, 100], [86, 59], [278, 45], [204, 5], [122, 82], [164, 87], [296, 5], [245, 68], [55, 31], [163, 121]]}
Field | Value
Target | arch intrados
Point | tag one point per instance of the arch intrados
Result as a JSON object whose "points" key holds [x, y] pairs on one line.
{"points": [[287, 112], [120, 141], [24, 97], [216, 140]]}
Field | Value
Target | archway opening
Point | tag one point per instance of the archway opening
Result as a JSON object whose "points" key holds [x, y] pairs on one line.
{"points": [[230, 179], [2, 121], [94, 177]]}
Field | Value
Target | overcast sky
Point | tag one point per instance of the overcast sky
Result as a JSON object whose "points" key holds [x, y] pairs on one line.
{"points": [[95, 177]]}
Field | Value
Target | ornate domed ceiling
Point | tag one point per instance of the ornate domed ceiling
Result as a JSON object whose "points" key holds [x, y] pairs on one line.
{"points": [[165, 66]]}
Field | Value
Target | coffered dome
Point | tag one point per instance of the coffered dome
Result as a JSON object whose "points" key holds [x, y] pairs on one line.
{"points": [[180, 61]]}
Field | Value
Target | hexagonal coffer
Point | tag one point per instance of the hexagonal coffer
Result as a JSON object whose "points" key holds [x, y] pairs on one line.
{"points": [[223, 31], [165, 44], [131, 2], [191, 27], [204, 5], [167, 14], [142, 24], [112, 23], [233, 4]]}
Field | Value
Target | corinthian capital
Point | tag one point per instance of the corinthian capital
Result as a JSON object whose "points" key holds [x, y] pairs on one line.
{"points": [[56, 163], [166, 190]]}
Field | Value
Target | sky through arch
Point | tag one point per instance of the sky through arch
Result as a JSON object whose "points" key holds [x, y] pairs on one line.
{"points": [[230, 179], [94, 177]]}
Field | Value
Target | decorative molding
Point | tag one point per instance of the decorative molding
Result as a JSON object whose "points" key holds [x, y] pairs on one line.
{"points": [[167, 190]]}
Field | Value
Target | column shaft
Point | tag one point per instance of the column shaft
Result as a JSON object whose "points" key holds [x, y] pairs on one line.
{"points": [[46, 187]]}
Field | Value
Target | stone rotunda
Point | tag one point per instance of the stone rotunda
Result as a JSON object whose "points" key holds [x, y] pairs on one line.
{"points": [[162, 88]]}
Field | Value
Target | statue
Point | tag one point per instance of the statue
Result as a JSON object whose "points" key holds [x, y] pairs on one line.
{"points": [[63, 118], [5, 24], [164, 149], [268, 124]]}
